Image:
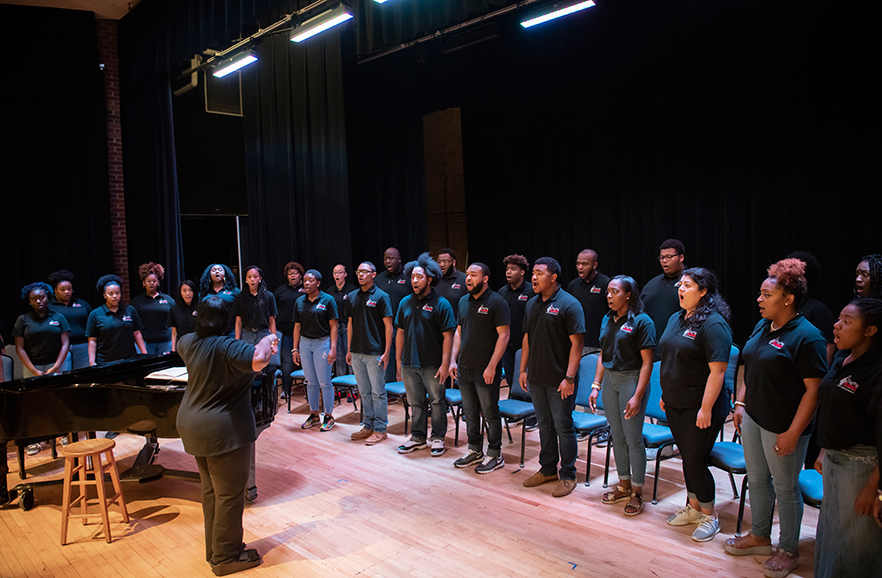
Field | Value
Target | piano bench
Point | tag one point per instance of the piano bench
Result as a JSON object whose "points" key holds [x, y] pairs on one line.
{"points": [[77, 462]]}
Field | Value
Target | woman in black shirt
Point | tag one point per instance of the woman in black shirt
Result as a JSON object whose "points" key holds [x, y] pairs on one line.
{"points": [[254, 308], [695, 349], [76, 311], [114, 328], [848, 541], [218, 279], [153, 307], [182, 316], [784, 361], [42, 336], [286, 295]]}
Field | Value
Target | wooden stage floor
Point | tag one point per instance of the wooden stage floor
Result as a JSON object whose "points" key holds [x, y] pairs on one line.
{"points": [[331, 507]]}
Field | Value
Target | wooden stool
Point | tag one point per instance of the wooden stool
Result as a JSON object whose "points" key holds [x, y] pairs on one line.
{"points": [[84, 450]]}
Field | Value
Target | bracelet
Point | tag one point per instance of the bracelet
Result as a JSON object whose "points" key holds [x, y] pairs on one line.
{"points": [[879, 495], [293, 350], [596, 386], [741, 403]]}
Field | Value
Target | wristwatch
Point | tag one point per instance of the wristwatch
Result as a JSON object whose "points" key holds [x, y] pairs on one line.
{"points": [[571, 379]]}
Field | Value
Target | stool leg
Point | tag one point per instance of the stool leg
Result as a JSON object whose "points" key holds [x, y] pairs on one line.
{"points": [[65, 500], [82, 476], [102, 496], [117, 487]]}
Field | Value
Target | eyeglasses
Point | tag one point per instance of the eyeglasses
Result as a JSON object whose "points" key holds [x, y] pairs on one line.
{"points": [[665, 258], [363, 272]]}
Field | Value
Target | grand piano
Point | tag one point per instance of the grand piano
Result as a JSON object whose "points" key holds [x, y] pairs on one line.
{"points": [[102, 398]]}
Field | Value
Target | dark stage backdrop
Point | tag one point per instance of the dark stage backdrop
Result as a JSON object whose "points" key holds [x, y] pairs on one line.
{"points": [[54, 191], [746, 129]]}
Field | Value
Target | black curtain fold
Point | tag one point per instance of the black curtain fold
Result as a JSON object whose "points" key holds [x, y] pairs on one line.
{"points": [[54, 187]]}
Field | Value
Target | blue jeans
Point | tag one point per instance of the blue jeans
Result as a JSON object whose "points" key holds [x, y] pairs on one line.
{"points": [[158, 348], [340, 366], [391, 368], [78, 356], [288, 365], [64, 367], [557, 436], [314, 357], [480, 398], [254, 337], [370, 376], [773, 477], [847, 544], [418, 381], [627, 434]]}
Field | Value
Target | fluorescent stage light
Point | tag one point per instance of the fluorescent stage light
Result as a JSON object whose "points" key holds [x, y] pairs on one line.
{"points": [[558, 10], [320, 23], [233, 64]]}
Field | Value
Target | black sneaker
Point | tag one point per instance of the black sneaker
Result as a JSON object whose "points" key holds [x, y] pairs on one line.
{"points": [[312, 421], [470, 458], [490, 465], [328, 424], [411, 446]]}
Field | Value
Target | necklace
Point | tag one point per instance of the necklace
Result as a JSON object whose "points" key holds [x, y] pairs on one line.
{"points": [[773, 327]]}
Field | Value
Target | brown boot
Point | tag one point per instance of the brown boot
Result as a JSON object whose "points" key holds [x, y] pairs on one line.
{"points": [[362, 434], [538, 479]]}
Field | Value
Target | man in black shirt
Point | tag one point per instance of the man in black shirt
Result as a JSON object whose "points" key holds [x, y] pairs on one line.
{"points": [[452, 285], [590, 290], [478, 345], [340, 292], [554, 326], [660, 296], [516, 293], [397, 287], [286, 295]]}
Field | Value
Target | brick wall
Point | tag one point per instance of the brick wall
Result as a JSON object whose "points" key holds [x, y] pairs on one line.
{"points": [[445, 184], [107, 51]]}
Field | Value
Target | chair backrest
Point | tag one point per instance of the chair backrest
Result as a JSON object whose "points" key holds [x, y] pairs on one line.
{"points": [[729, 381], [652, 408], [7, 368], [17, 366], [516, 391], [587, 368]]}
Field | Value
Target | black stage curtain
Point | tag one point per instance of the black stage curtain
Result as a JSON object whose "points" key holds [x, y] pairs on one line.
{"points": [[53, 154], [746, 129], [295, 142]]}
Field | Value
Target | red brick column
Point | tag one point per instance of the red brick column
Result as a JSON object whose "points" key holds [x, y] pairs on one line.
{"points": [[107, 52]]}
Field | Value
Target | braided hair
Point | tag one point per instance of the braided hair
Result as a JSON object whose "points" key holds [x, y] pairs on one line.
{"points": [[264, 297], [874, 263]]}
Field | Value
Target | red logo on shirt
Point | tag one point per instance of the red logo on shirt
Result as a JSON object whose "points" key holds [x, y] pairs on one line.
{"points": [[523, 297], [76, 305], [401, 281], [370, 303], [690, 334], [54, 323], [428, 308], [776, 343], [127, 318], [321, 307], [595, 289], [848, 384], [483, 310], [227, 292], [345, 297], [552, 310], [195, 313], [165, 301], [627, 329], [456, 286]]}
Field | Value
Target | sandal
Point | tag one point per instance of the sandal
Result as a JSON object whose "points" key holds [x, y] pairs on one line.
{"points": [[781, 564], [746, 546], [620, 494], [630, 508]]}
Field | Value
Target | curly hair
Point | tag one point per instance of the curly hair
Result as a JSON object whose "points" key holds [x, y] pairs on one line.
{"points": [[60, 277], [429, 265], [205, 280], [550, 263], [294, 265], [26, 291], [629, 285], [518, 260], [710, 302], [151, 268], [108, 280], [674, 244], [874, 262], [790, 276]]}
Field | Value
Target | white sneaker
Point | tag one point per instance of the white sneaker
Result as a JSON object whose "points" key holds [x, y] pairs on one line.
{"points": [[437, 448], [684, 516], [708, 527]]}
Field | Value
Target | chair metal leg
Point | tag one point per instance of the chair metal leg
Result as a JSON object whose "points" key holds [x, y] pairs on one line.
{"points": [[508, 430], [655, 482], [741, 505], [456, 412], [734, 487], [523, 443], [588, 461], [606, 469]]}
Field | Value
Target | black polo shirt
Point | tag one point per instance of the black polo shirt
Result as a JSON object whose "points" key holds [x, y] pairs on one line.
{"points": [[286, 296], [341, 296], [592, 297], [77, 314], [183, 318], [622, 341], [820, 316], [115, 332], [228, 296], [368, 310], [424, 322], [153, 312], [479, 320], [845, 394], [254, 316], [453, 288], [549, 325], [315, 317], [42, 336], [775, 365], [685, 354], [516, 299], [396, 286], [216, 415], [661, 300]]}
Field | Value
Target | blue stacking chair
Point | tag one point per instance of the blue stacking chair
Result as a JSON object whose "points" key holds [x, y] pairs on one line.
{"points": [[655, 436], [299, 377], [395, 389], [517, 407], [453, 397], [811, 484], [348, 384], [588, 425]]}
